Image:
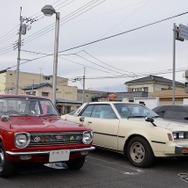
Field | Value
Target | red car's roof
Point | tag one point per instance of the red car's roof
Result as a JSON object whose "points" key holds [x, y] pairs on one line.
{"points": [[20, 95]]}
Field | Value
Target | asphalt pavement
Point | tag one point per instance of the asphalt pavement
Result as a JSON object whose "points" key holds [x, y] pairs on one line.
{"points": [[102, 169]]}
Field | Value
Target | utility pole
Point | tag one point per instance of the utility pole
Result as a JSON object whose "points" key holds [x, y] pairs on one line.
{"points": [[22, 31], [83, 92], [19, 49], [174, 63], [176, 36]]}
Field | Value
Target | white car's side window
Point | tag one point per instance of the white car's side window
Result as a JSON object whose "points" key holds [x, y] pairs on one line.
{"points": [[103, 112], [87, 111]]}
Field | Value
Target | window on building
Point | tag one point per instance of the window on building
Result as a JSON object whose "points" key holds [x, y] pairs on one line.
{"points": [[45, 94], [139, 89], [47, 78], [31, 93]]}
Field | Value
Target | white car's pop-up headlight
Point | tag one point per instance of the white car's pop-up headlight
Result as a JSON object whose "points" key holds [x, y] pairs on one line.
{"points": [[22, 140], [87, 137]]}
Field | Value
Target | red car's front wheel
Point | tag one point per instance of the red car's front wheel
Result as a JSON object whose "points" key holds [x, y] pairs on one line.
{"points": [[76, 164], [6, 168]]}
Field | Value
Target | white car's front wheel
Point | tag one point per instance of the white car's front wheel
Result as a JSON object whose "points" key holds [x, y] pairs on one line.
{"points": [[139, 152]]}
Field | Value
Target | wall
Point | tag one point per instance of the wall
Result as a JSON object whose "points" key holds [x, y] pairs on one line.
{"points": [[2, 81], [185, 101], [150, 102], [8, 82], [152, 87], [25, 79], [67, 92]]}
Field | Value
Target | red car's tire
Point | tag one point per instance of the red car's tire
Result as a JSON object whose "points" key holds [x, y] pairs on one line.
{"points": [[76, 164], [6, 167]]}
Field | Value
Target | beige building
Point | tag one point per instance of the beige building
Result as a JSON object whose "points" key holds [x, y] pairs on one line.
{"points": [[37, 84]]}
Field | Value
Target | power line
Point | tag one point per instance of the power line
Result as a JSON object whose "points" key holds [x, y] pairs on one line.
{"points": [[123, 33], [69, 17], [51, 26], [9, 34], [145, 3], [159, 72], [106, 68], [125, 76], [85, 65], [112, 36], [108, 64]]}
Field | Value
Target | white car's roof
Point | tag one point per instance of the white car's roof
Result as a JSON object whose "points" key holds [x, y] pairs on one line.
{"points": [[111, 102]]}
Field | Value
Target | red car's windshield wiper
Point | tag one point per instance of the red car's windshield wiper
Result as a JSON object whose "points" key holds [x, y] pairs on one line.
{"points": [[50, 114]]}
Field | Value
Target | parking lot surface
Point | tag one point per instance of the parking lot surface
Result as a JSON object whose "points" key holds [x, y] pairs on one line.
{"points": [[103, 169]]}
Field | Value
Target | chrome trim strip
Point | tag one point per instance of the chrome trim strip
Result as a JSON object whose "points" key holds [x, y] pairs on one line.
{"points": [[47, 152], [106, 134], [158, 142]]}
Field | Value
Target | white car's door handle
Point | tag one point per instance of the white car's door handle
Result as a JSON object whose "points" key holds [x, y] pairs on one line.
{"points": [[89, 122]]}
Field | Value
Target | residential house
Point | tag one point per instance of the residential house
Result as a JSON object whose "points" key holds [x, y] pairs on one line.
{"points": [[157, 86]]}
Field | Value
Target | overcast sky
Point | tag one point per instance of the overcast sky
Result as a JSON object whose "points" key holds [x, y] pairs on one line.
{"points": [[112, 39]]}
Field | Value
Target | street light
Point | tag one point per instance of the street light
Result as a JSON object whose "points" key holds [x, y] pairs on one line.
{"points": [[48, 10]]}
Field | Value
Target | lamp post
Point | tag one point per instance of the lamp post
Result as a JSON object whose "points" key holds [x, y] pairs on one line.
{"points": [[48, 10]]}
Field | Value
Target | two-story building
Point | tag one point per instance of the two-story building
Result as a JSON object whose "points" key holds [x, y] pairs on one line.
{"points": [[160, 87], [40, 85]]}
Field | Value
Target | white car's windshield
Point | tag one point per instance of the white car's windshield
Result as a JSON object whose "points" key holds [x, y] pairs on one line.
{"points": [[126, 110]]}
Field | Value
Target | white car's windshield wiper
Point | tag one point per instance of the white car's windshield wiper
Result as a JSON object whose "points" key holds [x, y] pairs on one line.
{"points": [[136, 117]]}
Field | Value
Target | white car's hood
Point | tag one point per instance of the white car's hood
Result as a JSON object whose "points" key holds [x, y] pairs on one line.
{"points": [[171, 125]]}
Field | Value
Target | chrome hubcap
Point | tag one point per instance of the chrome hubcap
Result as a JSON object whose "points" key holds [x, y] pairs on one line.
{"points": [[2, 160], [137, 152]]}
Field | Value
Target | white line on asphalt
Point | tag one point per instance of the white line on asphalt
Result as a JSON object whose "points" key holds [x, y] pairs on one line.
{"points": [[109, 165]]}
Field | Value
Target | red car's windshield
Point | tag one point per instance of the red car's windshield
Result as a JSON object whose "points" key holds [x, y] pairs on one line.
{"points": [[26, 106]]}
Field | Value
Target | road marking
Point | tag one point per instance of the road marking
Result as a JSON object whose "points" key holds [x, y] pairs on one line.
{"points": [[183, 176], [109, 165]]}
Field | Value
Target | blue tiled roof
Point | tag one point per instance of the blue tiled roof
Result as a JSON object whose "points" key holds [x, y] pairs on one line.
{"points": [[68, 101], [37, 86]]}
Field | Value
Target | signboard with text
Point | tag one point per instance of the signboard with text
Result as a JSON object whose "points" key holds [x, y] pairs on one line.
{"points": [[183, 31]]}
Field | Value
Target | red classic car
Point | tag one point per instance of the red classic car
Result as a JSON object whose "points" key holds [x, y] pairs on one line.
{"points": [[31, 130]]}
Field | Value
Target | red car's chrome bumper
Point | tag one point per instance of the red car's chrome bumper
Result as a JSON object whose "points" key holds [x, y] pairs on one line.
{"points": [[47, 152]]}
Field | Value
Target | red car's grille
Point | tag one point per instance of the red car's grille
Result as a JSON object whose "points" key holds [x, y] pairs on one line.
{"points": [[55, 138]]}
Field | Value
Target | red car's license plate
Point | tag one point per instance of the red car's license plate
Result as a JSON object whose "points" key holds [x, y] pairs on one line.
{"points": [[59, 155]]}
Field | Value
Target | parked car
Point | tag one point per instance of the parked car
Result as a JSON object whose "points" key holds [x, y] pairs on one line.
{"points": [[173, 112], [32, 131], [133, 130]]}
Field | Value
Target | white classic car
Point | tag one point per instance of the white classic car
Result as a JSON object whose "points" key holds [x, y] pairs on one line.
{"points": [[133, 130]]}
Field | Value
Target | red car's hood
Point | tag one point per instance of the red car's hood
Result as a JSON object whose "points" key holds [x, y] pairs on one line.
{"points": [[44, 124]]}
